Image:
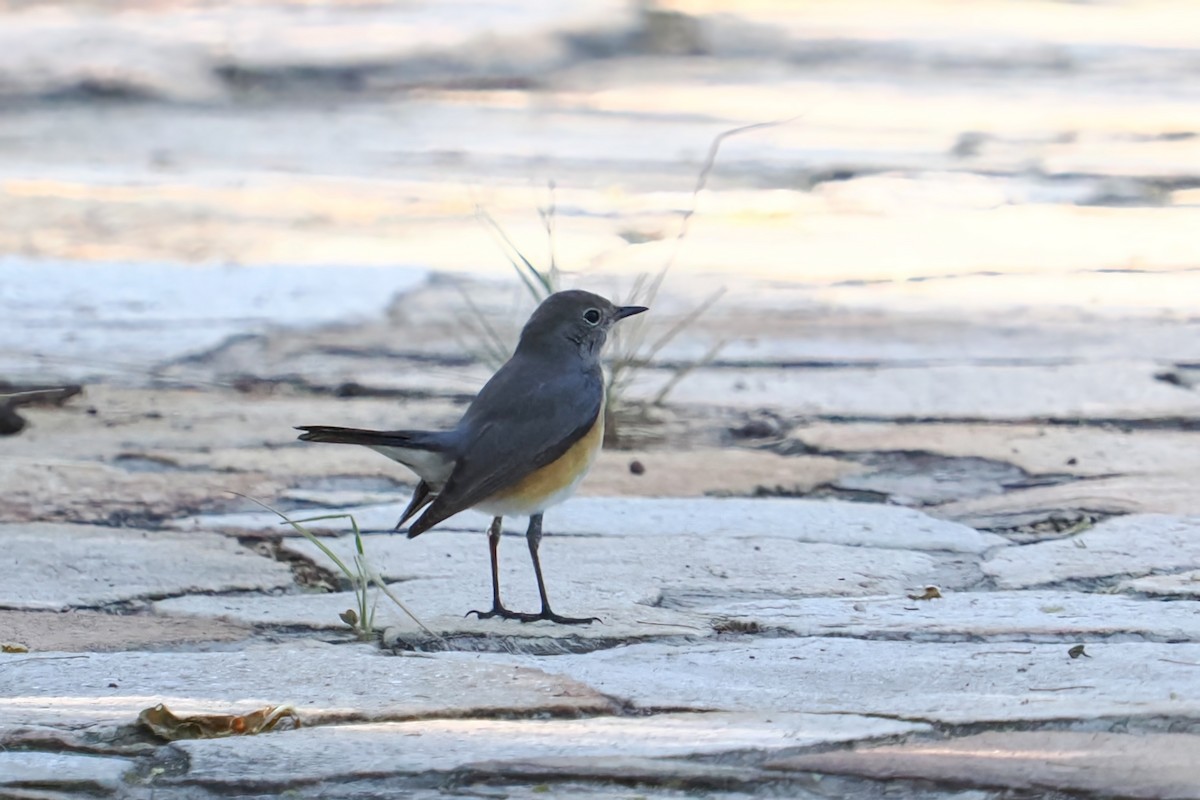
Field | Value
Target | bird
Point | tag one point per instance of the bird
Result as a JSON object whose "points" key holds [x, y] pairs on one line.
{"points": [[523, 444]]}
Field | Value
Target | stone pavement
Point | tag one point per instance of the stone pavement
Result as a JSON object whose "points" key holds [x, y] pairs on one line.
{"points": [[764, 576], [920, 521], [747, 645]]}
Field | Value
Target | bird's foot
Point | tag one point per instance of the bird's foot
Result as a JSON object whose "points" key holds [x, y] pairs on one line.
{"points": [[546, 614], [497, 611]]}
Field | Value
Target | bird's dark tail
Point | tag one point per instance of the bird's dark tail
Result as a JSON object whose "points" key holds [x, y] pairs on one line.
{"points": [[430, 454], [415, 440]]}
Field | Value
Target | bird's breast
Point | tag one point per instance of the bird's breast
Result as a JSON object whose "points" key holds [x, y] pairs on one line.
{"points": [[551, 484]]}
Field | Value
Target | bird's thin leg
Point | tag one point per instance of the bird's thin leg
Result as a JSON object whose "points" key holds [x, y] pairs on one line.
{"points": [[498, 609], [494, 548], [533, 537]]}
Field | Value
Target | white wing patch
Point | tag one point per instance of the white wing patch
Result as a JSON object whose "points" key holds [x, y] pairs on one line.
{"points": [[433, 468]]}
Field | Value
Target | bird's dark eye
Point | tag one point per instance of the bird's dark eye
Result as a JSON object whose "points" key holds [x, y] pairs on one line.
{"points": [[591, 316]]}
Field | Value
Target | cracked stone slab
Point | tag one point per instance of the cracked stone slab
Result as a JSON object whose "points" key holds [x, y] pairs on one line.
{"points": [[482, 745], [129, 308], [1037, 449], [1152, 766], [219, 429], [693, 472], [442, 606], [452, 569], [831, 522], [325, 683], [88, 491], [73, 631], [58, 566], [956, 684], [1123, 494], [35, 770], [1179, 584], [1002, 392], [1020, 615], [639, 587], [915, 479], [1134, 545]]}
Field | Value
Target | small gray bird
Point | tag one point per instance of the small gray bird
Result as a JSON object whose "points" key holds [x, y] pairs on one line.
{"points": [[524, 443]]}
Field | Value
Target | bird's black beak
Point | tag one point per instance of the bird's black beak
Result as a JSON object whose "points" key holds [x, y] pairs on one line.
{"points": [[629, 311]]}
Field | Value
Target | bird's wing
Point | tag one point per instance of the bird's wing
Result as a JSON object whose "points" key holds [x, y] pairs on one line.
{"points": [[518, 424]]}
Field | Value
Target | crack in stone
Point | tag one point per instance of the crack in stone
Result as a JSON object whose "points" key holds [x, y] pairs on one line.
{"points": [[527, 645], [306, 572]]}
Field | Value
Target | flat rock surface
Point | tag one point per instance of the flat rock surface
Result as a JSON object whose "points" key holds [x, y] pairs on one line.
{"points": [[961, 615], [323, 683], [1087, 391], [1166, 492], [87, 631], [1179, 584], [932, 332], [1111, 764], [1135, 545], [65, 771], [721, 519], [446, 745], [56, 566], [953, 684], [625, 566], [443, 605]]}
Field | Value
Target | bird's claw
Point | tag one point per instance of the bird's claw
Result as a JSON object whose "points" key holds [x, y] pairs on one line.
{"points": [[546, 614]]}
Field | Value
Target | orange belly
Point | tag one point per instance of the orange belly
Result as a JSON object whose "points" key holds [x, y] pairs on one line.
{"points": [[552, 483]]}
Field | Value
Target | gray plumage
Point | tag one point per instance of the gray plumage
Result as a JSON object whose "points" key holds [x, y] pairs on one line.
{"points": [[545, 400]]}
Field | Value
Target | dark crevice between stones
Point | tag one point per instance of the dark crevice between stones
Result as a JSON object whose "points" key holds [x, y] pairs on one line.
{"points": [[1183, 376], [604, 777], [1153, 723], [1030, 527], [948, 477], [652, 773], [13, 396], [1016, 637], [353, 483], [1116, 424], [425, 359], [253, 384], [121, 741], [912, 478], [760, 772], [1101, 584], [307, 573], [141, 462], [141, 520], [515, 644]]}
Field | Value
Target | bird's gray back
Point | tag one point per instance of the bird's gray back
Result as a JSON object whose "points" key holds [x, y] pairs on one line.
{"points": [[527, 416]]}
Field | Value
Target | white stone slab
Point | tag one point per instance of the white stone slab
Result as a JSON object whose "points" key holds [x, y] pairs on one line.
{"points": [[135, 309], [993, 615], [63, 771], [955, 684], [594, 570], [323, 682], [834, 522], [58, 566], [442, 606], [638, 587], [1133, 545], [1038, 449], [1146, 493], [441, 745], [1121, 389], [1151, 766], [1179, 584]]}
